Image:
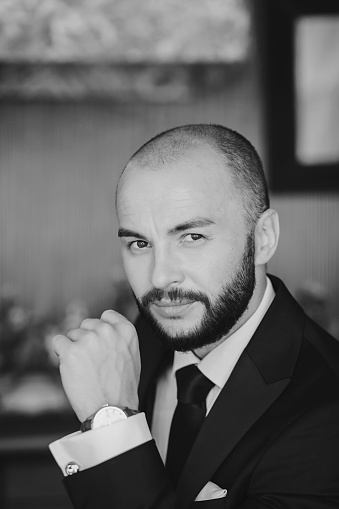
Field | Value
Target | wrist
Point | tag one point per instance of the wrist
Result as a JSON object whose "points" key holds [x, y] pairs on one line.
{"points": [[107, 415], [88, 405]]}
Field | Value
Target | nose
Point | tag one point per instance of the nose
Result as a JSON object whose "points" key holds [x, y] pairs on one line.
{"points": [[167, 269]]}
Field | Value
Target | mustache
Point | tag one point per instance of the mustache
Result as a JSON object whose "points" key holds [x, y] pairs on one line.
{"points": [[175, 295]]}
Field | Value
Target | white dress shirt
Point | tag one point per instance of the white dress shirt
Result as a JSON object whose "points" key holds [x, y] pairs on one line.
{"points": [[96, 446]]}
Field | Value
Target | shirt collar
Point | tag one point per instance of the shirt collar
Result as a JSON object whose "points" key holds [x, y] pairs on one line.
{"points": [[220, 362]]}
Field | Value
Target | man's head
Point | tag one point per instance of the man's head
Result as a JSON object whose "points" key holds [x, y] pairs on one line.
{"points": [[196, 232]]}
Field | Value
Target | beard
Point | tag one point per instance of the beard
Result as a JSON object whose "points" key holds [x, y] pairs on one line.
{"points": [[219, 316]]}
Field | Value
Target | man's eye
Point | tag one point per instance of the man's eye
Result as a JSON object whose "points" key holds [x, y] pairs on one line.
{"points": [[138, 245], [193, 237]]}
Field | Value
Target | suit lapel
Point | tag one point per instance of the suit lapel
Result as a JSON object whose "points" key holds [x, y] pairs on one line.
{"points": [[240, 404], [261, 375]]}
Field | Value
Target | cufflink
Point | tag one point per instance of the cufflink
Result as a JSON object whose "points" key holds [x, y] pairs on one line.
{"points": [[72, 468]]}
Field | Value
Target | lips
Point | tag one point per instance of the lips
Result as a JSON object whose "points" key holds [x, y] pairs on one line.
{"points": [[171, 303], [171, 308]]}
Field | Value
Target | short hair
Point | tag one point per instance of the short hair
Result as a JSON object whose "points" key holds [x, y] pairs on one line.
{"points": [[241, 158]]}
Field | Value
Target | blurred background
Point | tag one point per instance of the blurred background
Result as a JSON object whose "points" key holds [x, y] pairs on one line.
{"points": [[82, 85]]}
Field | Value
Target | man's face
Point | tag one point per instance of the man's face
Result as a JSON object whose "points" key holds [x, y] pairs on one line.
{"points": [[186, 249]]}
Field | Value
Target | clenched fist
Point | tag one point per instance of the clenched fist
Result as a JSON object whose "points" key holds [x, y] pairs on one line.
{"points": [[100, 363]]}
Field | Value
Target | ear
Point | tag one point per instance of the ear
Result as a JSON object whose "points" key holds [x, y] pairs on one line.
{"points": [[266, 236]]}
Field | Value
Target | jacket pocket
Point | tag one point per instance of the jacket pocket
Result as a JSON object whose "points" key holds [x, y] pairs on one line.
{"points": [[217, 503]]}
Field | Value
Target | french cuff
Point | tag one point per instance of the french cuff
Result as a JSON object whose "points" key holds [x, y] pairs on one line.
{"points": [[80, 451]]}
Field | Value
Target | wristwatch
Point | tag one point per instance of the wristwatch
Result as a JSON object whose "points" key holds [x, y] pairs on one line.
{"points": [[105, 416]]}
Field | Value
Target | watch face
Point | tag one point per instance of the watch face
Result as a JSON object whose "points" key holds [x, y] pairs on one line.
{"points": [[107, 416]]}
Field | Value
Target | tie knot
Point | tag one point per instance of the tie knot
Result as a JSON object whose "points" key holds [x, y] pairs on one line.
{"points": [[193, 386]]}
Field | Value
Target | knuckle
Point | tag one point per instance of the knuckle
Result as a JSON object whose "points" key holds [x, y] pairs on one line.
{"points": [[87, 339], [86, 322], [58, 343], [103, 329], [56, 339], [108, 314]]}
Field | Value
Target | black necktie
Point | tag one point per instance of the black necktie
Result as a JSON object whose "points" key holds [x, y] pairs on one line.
{"points": [[188, 417]]}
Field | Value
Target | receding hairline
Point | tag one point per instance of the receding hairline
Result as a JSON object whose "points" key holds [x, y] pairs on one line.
{"points": [[240, 160], [168, 148], [141, 164], [157, 160], [173, 145]]}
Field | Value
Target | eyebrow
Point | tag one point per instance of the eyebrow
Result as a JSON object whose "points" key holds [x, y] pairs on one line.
{"points": [[125, 232], [198, 222], [187, 225]]}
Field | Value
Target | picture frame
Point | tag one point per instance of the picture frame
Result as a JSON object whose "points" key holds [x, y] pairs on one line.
{"points": [[300, 107]]}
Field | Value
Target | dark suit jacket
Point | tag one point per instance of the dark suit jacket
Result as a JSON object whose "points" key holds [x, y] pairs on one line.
{"points": [[271, 438]]}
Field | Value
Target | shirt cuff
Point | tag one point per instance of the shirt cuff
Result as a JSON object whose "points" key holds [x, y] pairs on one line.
{"points": [[96, 446]]}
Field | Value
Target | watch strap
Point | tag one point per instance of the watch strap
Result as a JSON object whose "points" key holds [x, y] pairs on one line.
{"points": [[86, 425]]}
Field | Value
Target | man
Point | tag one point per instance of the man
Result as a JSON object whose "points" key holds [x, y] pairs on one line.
{"points": [[196, 233]]}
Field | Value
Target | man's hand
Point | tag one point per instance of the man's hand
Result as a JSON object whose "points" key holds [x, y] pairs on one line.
{"points": [[100, 363]]}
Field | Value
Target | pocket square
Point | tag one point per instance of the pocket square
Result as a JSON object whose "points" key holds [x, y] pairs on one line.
{"points": [[211, 491]]}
